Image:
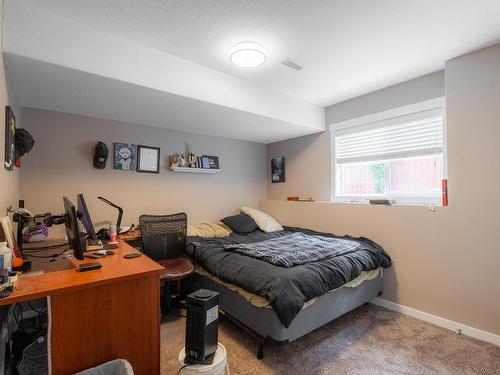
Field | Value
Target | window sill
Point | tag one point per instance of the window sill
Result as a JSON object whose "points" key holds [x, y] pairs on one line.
{"points": [[395, 201]]}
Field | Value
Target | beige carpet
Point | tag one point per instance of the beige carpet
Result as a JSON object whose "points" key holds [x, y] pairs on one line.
{"points": [[368, 340]]}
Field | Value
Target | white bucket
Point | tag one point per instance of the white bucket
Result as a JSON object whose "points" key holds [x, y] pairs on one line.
{"points": [[216, 368]]}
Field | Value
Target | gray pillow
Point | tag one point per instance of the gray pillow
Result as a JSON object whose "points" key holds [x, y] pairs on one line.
{"points": [[240, 223]]}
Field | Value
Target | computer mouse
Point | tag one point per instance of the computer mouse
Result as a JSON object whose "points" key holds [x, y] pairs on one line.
{"points": [[132, 255]]}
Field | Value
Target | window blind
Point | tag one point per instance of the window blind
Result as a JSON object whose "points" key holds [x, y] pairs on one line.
{"points": [[415, 134]]}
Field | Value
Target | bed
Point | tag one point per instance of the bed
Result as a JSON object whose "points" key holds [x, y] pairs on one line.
{"points": [[282, 298]]}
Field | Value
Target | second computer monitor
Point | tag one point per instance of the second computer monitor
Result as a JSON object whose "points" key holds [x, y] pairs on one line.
{"points": [[72, 231], [84, 216]]}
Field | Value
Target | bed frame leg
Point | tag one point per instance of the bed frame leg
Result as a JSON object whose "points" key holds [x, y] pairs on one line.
{"points": [[260, 350]]}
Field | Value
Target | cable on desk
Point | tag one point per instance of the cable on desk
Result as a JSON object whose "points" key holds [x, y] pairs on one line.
{"points": [[42, 248]]}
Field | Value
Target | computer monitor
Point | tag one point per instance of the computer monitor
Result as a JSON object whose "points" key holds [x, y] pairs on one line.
{"points": [[72, 230], [84, 216]]}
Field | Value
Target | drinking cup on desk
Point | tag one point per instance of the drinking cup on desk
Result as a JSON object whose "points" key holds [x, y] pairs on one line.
{"points": [[112, 233], [6, 255]]}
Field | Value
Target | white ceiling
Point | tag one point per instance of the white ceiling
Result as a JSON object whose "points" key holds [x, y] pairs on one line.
{"points": [[347, 48], [59, 64]]}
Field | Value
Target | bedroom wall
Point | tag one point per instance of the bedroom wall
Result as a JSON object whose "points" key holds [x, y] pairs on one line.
{"points": [[308, 158], [61, 164], [445, 262], [9, 180]]}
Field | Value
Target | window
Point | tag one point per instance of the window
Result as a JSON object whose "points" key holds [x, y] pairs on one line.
{"points": [[398, 154]]}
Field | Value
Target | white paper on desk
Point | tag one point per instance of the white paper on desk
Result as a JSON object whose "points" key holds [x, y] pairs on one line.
{"points": [[149, 159]]}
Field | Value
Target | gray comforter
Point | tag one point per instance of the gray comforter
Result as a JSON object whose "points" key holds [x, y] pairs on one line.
{"points": [[286, 288], [294, 249]]}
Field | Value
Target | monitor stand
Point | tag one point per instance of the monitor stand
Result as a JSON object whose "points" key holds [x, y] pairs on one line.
{"points": [[90, 244], [93, 245]]}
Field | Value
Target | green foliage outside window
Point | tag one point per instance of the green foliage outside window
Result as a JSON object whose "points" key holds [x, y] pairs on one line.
{"points": [[378, 172]]}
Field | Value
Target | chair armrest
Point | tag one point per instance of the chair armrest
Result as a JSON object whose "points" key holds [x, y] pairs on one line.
{"points": [[194, 245]]}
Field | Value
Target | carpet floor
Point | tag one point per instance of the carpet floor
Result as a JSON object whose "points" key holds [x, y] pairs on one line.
{"points": [[368, 340]]}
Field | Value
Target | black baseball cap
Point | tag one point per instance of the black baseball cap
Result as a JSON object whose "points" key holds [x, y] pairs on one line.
{"points": [[23, 143], [100, 155]]}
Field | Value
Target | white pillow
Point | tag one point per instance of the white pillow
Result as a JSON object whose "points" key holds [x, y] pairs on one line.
{"points": [[265, 222], [207, 230]]}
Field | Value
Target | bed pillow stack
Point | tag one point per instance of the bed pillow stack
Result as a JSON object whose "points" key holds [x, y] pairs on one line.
{"points": [[265, 222], [240, 223]]}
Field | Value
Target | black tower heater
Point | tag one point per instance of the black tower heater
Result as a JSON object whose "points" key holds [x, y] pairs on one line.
{"points": [[202, 326]]}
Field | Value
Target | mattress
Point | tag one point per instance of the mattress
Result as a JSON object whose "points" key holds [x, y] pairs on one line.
{"points": [[261, 302]]}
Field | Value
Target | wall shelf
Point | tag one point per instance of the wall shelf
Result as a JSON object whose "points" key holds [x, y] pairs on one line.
{"points": [[193, 170]]}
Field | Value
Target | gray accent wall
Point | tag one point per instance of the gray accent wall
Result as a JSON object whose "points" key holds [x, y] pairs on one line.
{"points": [[61, 164]]}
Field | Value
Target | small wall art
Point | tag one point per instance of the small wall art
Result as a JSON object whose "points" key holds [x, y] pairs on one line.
{"points": [[10, 133], [278, 169], [125, 156]]}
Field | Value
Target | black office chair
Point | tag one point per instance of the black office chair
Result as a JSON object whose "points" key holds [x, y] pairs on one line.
{"points": [[164, 240]]}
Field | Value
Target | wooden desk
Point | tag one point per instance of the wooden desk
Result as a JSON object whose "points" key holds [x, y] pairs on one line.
{"points": [[131, 236], [99, 315]]}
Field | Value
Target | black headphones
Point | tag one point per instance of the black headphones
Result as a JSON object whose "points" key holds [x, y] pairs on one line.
{"points": [[103, 234]]}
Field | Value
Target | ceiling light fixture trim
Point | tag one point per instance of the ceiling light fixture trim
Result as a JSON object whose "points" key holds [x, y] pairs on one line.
{"points": [[248, 55]]}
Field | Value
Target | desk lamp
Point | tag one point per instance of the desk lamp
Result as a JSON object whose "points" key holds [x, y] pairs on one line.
{"points": [[119, 228]]}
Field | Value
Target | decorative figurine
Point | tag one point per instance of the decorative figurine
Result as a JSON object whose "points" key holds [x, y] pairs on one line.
{"points": [[182, 161], [174, 160], [191, 157], [192, 160]]}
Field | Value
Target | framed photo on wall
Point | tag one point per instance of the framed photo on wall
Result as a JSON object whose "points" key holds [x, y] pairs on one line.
{"points": [[10, 134], [148, 159], [278, 169]]}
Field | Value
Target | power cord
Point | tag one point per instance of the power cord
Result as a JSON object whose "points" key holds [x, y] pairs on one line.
{"points": [[35, 310], [19, 317], [182, 368]]}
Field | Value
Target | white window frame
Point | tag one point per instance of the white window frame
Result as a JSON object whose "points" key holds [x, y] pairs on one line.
{"points": [[413, 199]]}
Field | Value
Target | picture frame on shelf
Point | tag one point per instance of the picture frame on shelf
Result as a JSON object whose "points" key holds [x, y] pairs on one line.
{"points": [[212, 162], [148, 159]]}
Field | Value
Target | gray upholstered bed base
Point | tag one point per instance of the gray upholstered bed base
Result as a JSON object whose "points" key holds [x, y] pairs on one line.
{"points": [[265, 323]]}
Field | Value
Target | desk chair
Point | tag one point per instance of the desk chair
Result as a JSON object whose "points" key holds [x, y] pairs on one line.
{"points": [[164, 240]]}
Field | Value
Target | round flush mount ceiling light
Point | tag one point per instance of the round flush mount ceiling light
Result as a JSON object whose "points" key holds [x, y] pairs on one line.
{"points": [[247, 55]]}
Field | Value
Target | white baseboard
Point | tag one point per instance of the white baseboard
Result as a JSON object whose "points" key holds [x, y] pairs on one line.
{"points": [[441, 322]]}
